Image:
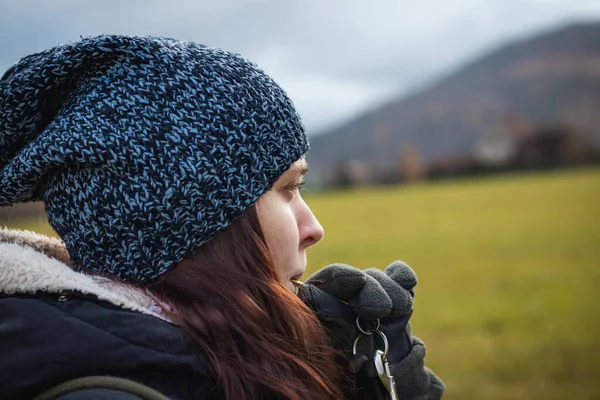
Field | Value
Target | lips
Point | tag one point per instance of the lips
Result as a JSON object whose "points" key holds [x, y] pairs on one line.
{"points": [[296, 277]]}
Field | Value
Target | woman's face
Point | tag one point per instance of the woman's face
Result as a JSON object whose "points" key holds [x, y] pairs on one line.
{"points": [[288, 224]]}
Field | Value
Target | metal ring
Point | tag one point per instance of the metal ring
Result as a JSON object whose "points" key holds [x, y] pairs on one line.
{"points": [[356, 343], [368, 331], [386, 345]]}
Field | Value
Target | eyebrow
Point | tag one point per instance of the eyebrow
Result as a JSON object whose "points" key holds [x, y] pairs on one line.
{"points": [[301, 170]]}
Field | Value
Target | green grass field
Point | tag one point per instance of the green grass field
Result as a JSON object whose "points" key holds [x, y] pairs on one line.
{"points": [[509, 271]]}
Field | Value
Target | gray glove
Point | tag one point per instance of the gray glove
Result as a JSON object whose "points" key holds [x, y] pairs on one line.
{"points": [[406, 352], [364, 294], [339, 293]]}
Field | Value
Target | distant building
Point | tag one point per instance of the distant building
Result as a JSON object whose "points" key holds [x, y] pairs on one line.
{"points": [[514, 145], [495, 149], [552, 147], [351, 173], [452, 165], [499, 145]]}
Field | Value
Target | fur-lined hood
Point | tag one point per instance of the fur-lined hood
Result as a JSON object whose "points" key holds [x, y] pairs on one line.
{"points": [[57, 325], [32, 263]]}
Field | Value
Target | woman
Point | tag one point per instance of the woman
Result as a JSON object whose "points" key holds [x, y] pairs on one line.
{"points": [[171, 173]]}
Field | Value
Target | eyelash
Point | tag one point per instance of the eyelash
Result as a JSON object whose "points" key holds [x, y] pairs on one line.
{"points": [[294, 186]]}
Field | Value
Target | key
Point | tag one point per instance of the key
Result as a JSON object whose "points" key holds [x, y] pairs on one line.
{"points": [[383, 370]]}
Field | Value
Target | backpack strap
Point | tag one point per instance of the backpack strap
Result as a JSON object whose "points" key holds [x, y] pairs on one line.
{"points": [[101, 382]]}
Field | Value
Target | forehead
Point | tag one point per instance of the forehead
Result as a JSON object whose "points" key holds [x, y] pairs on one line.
{"points": [[300, 167], [297, 169]]}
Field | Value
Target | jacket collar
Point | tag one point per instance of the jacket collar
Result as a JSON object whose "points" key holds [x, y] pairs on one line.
{"points": [[32, 263]]}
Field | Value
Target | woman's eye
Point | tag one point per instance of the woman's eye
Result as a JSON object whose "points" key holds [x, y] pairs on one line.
{"points": [[295, 186]]}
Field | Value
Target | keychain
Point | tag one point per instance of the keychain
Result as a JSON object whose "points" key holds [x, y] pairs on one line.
{"points": [[380, 358]]}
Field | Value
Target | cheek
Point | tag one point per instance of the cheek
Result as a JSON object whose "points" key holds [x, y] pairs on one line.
{"points": [[283, 240], [274, 221], [285, 231]]}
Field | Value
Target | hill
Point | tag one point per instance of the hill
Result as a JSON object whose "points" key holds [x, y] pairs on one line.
{"points": [[549, 79]]}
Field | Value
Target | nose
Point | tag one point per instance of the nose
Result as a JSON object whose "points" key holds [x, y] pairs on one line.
{"points": [[309, 228]]}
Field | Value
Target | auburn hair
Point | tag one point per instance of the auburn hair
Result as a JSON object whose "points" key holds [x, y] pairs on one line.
{"points": [[260, 340]]}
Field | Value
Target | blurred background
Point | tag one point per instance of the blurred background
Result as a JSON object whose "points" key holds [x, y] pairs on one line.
{"points": [[460, 136]]}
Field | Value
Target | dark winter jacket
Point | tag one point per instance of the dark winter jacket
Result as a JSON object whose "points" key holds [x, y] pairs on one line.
{"points": [[57, 325]]}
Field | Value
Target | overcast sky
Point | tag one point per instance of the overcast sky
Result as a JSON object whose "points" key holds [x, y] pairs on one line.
{"points": [[335, 58]]}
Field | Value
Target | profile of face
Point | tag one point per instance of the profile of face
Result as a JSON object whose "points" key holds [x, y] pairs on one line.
{"points": [[288, 224]]}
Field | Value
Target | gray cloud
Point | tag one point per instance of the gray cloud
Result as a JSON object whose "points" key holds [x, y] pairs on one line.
{"points": [[334, 57]]}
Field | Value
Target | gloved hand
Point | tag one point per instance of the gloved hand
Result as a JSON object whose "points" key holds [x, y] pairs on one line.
{"points": [[398, 280], [339, 293], [406, 352]]}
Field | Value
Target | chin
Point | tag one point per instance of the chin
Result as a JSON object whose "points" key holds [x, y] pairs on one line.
{"points": [[290, 286]]}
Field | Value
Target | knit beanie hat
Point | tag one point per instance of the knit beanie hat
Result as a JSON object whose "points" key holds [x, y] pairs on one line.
{"points": [[142, 148]]}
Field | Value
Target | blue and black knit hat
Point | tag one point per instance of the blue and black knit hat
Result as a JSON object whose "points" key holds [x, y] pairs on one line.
{"points": [[141, 148]]}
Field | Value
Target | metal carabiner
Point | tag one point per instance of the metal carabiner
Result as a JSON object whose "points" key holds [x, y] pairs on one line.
{"points": [[380, 358], [386, 346], [385, 375]]}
